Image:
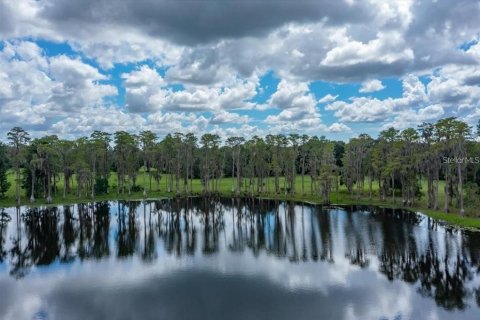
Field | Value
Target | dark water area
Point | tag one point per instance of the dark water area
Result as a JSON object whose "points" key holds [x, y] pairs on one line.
{"points": [[234, 259]]}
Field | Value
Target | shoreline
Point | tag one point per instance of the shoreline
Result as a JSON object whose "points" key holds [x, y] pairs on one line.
{"points": [[451, 219]]}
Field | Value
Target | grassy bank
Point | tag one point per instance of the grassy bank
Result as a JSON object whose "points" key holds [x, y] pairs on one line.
{"points": [[340, 197]]}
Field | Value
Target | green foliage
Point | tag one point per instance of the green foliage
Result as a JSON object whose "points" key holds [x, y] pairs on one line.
{"points": [[4, 184], [472, 195], [101, 186]]}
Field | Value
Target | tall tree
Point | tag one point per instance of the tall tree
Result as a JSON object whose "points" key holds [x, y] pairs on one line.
{"points": [[126, 159], [18, 139], [453, 134], [210, 144], [409, 165], [430, 162], [303, 156], [99, 145], [235, 143], [294, 140], [147, 142], [48, 151], [67, 155], [190, 141], [4, 184], [35, 165]]}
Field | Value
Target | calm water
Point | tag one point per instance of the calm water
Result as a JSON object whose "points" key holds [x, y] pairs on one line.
{"points": [[229, 259]]}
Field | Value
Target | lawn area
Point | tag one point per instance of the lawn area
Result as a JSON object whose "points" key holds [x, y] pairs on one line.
{"points": [[340, 197]]}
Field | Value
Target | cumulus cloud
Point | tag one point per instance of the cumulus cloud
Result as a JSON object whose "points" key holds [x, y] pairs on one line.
{"points": [[140, 85], [339, 127], [228, 117], [368, 109], [216, 52], [37, 88], [371, 86]]}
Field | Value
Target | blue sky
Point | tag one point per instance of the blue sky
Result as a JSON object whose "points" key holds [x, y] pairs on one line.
{"points": [[320, 68]]}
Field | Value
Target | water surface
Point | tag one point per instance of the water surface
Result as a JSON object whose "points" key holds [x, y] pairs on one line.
{"points": [[233, 259]]}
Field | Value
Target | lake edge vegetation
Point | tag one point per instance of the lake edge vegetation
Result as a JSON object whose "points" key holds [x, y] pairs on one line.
{"points": [[434, 168]]}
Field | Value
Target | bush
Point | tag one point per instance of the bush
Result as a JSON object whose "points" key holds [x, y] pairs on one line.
{"points": [[136, 188], [472, 195], [4, 184], [101, 186]]}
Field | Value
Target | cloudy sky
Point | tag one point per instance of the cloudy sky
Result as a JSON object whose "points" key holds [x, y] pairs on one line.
{"points": [[237, 67]]}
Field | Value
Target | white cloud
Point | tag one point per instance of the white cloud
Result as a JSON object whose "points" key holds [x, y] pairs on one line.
{"points": [[290, 95], [37, 89], [371, 86], [140, 85], [367, 109], [386, 48], [328, 98], [339, 127], [219, 68], [297, 108], [228, 118]]}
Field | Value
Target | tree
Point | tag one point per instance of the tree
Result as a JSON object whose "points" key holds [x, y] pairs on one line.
{"points": [[126, 156], [390, 138], [4, 184], [235, 143], [18, 140], [178, 156], [453, 134], [303, 156], [35, 165], [321, 165], [147, 142], [209, 143], [47, 151], [409, 164], [355, 164], [67, 156], [99, 145], [430, 162], [294, 140], [190, 142]]}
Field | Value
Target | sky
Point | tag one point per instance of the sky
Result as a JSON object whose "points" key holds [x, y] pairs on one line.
{"points": [[237, 67]]}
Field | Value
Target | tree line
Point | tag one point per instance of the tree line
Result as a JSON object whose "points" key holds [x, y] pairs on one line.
{"points": [[443, 154]]}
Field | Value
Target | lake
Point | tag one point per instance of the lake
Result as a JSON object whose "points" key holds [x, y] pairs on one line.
{"points": [[206, 258]]}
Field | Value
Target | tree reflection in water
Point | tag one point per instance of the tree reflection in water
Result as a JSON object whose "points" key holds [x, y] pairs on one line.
{"points": [[441, 263]]}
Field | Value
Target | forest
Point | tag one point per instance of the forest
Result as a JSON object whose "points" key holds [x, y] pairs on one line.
{"points": [[435, 164]]}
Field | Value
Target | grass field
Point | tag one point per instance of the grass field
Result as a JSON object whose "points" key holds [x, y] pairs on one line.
{"points": [[225, 186]]}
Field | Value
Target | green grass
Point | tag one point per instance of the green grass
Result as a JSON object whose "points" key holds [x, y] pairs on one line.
{"points": [[342, 197]]}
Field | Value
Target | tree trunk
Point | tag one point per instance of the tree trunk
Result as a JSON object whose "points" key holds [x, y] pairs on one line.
{"points": [[32, 196], [239, 177], [370, 187], [144, 178], [393, 188], [49, 197], [446, 189], [233, 172], [460, 188], [64, 185], [303, 175], [17, 186], [93, 179]]}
